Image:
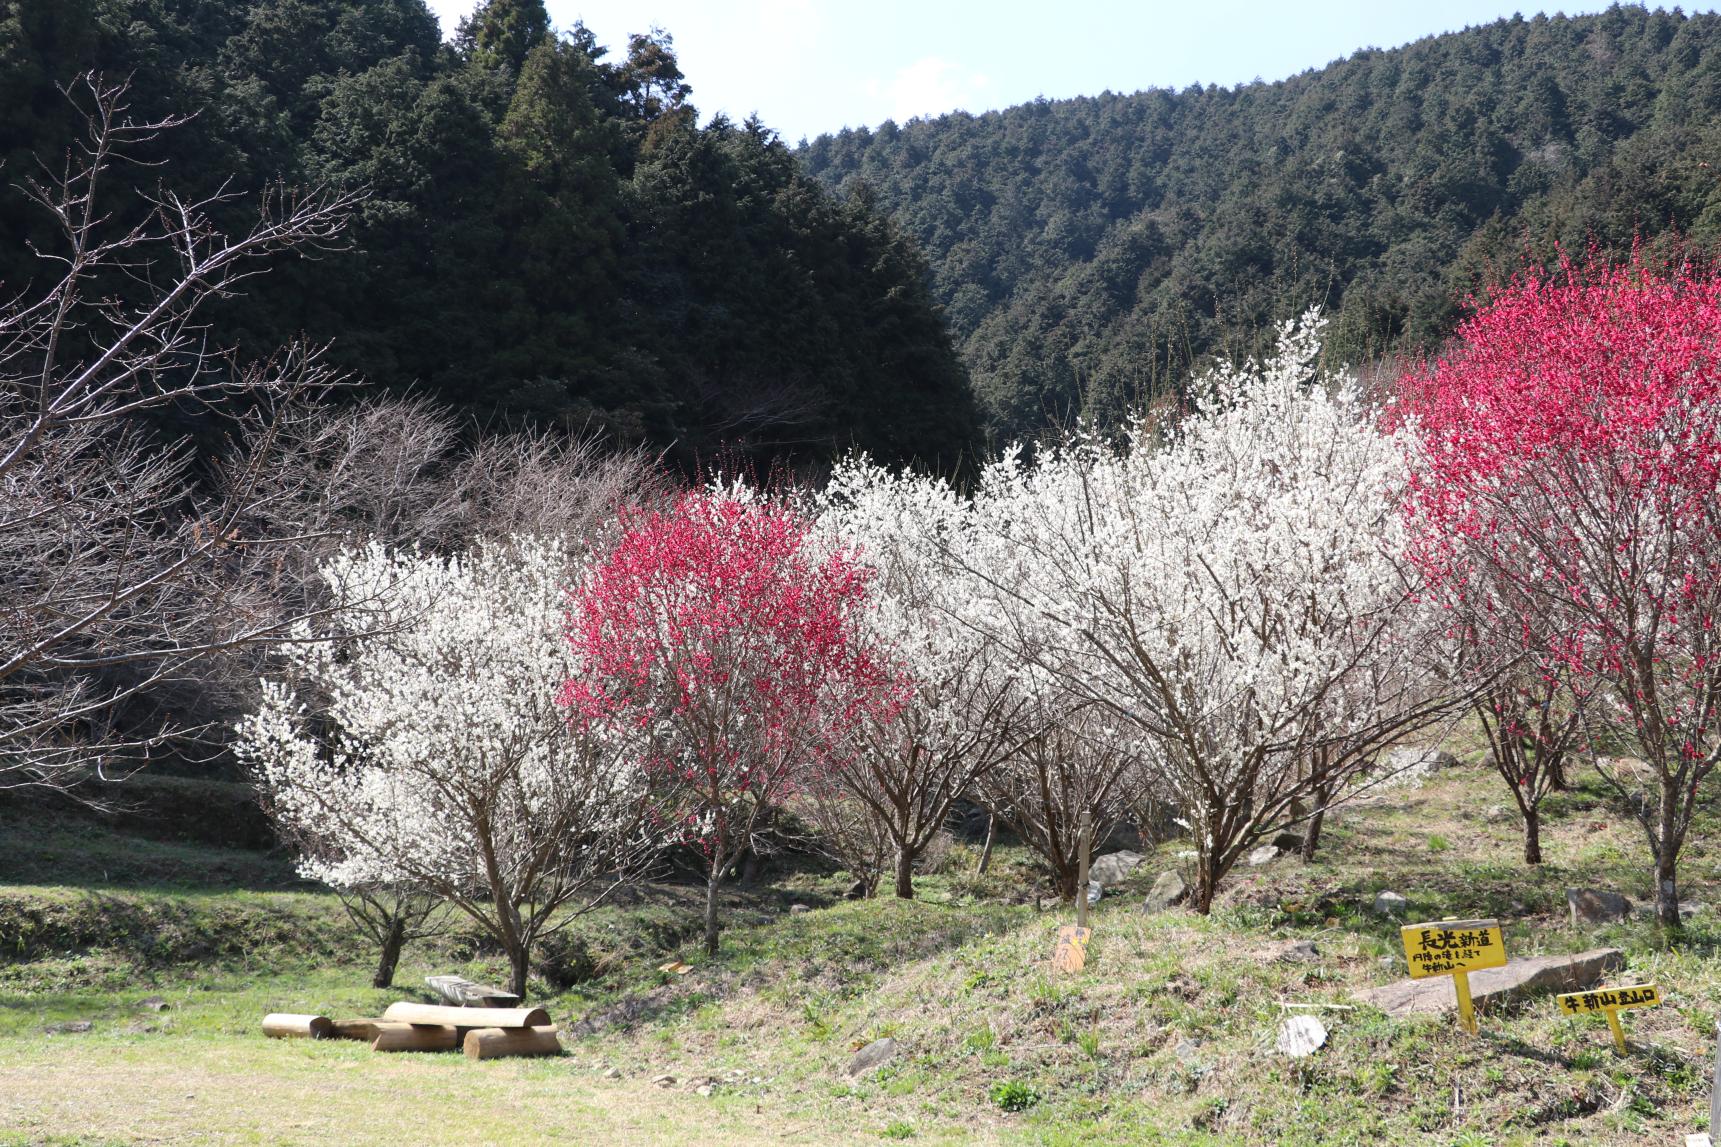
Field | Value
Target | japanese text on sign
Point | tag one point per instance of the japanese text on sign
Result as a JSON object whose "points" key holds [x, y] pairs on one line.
{"points": [[1609, 999], [1439, 949], [1071, 954]]}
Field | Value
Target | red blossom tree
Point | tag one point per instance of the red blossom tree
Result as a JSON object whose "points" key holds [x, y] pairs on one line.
{"points": [[1566, 503], [716, 628]]}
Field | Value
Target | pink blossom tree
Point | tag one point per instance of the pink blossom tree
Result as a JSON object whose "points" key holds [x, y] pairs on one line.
{"points": [[1566, 498], [717, 630]]}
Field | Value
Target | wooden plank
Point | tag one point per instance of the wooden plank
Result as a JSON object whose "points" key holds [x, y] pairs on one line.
{"points": [[391, 1036], [287, 1025], [410, 1013], [495, 1043]]}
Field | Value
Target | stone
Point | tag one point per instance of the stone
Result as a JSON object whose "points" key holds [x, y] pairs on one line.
{"points": [[1290, 841], [703, 1089], [1168, 889], [1389, 904], [1595, 906], [872, 1057], [1289, 952], [797, 909], [153, 1004], [1496, 814], [71, 1027], [1519, 979], [612, 1073], [1300, 1036], [1114, 867], [663, 1081], [1266, 854], [1095, 891]]}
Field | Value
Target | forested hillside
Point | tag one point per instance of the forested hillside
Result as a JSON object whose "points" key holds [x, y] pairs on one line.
{"points": [[1090, 252], [549, 235]]}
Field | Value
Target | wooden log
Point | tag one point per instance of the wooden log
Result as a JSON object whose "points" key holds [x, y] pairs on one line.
{"points": [[363, 1029], [285, 1025], [391, 1036], [408, 1013], [494, 1043]]}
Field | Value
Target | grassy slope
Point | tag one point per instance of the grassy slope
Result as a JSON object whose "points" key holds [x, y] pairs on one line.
{"points": [[1166, 1038]]}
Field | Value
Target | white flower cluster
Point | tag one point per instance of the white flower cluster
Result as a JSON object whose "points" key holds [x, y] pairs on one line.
{"points": [[421, 743]]}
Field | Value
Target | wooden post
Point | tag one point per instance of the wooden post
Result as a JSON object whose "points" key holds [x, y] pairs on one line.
{"points": [[391, 1036], [1466, 1011], [494, 1043], [1085, 834], [285, 1025], [410, 1013]]}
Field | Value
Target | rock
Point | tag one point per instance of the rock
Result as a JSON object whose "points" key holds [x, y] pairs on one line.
{"points": [[1290, 952], [797, 909], [612, 1073], [1496, 814], [153, 1004], [1300, 1036], [1389, 904], [663, 1081], [703, 1089], [872, 1057], [1168, 889], [1114, 867], [1425, 760], [71, 1027], [855, 891], [1189, 1051], [1290, 841], [1266, 854], [1690, 908], [1095, 891], [1519, 979], [1595, 906]]}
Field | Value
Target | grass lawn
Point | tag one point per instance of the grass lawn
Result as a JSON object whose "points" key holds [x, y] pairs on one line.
{"points": [[1166, 1038]]}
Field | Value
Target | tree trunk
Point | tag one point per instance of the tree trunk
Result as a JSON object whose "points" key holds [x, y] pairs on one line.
{"points": [[986, 849], [1667, 858], [904, 873], [1206, 883], [1312, 833], [1532, 835], [711, 906], [393, 941], [519, 962]]}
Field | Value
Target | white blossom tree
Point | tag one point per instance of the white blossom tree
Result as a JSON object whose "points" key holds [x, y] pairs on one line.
{"points": [[420, 743], [1228, 587]]}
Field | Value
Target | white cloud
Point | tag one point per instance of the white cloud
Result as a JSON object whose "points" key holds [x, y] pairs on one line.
{"points": [[929, 86]]}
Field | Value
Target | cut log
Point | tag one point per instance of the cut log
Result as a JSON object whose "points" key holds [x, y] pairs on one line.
{"points": [[461, 992], [355, 1029], [284, 1025], [408, 1013], [494, 1043], [392, 1036]]}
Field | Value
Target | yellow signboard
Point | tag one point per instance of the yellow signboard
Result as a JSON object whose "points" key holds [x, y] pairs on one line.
{"points": [[1455, 948], [1610, 1002], [1071, 954], [1609, 999], [1448, 946]]}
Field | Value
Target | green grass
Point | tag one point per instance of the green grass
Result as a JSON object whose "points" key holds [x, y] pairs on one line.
{"points": [[1166, 1037]]}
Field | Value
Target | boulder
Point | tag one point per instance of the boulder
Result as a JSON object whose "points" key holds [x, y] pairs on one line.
{"points": [[1289, 952], [1167, 890], [1519, 979], [1095, 891], [1290, 841], [872, 1057], [1425, 759], [1497, 814], [1266, 854], [1595, 906], [797, 909], [1389, 904], [1114, 867]]}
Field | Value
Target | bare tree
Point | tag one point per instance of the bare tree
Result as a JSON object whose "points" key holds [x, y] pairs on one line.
{"points": [[121, 550]]}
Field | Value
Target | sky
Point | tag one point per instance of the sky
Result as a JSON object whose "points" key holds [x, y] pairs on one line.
{"points": [[813, 66]]}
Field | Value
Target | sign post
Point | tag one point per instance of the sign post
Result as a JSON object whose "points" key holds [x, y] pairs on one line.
{"points": [[1071, 954], [1455, 948], [1610, 1002]]}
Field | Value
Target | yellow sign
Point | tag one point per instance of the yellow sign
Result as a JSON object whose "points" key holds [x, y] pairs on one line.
{"points": [[1071, 954], [1609, 999], [1455, 948], [1611, 1002], [1440, 949]]}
